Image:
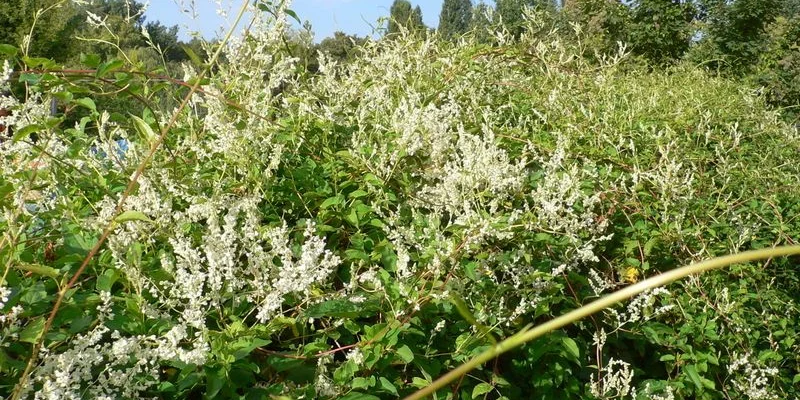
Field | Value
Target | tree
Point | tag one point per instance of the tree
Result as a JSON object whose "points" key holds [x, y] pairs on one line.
{"points": [[511, 12], [416, 23], [455, 18], [166, 38], [603, 23], [119, 28], [130, 10], [778, 68], [50, 35], [661, 30], [402, 15], [735, 30], [341, 47]]}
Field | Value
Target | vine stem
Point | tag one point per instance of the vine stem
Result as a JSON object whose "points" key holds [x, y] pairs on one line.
{"points": [[527, 334], [19, 388]]}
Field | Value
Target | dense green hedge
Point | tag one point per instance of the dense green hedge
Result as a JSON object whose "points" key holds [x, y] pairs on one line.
{"points": [[358, 232]]}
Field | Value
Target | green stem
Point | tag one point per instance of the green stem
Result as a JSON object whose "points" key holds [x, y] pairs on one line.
{"points": [[526, 335]]}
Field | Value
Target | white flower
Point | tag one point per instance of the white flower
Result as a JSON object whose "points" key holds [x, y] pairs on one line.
{"points": [[615, 381], [751, 378], [356, 356], [4, 293]]}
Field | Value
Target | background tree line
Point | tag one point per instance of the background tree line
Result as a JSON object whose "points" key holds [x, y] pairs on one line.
{"points": [[63, 33]]}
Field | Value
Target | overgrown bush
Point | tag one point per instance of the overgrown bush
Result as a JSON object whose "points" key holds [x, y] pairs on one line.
{"points": [[358, 232]]}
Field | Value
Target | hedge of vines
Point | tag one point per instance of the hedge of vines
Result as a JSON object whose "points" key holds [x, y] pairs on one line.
{"points": [[357, 232]]}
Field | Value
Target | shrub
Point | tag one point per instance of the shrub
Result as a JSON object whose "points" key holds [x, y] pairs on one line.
{"points": [[358, 232]]}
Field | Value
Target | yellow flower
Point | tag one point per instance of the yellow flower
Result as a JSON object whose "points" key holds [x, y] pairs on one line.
{"points": [[631, 275]]}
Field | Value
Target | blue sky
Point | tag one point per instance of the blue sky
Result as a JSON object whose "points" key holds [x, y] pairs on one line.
{"points": [[326, 16]]}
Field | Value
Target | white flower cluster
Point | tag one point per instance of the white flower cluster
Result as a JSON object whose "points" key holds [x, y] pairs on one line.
{"points": [[35, 109], [130, 365], [421, 112], [476, 177], [651, 394], [322, 383], [615, 381], [295, 276], [598, 283], [215, 249], [4, 293], [672, 180], [9, 321], [752, 379], [561, 206], [256, 73], [642, 307], [235, 255], [5, 75]]}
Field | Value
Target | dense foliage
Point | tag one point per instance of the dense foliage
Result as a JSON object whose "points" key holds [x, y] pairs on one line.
{"points": [[358, 231], [455, 18], [61, 32]]}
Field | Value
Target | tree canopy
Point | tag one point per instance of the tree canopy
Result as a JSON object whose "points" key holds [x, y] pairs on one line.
{"points": [[403, 15], [455, 17]]}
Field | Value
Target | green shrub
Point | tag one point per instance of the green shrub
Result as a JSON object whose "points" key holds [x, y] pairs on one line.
{"points": [[358, 232]]}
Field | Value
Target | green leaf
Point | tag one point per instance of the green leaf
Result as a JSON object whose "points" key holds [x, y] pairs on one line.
{"points": [[500, 381], [405, 354], [34, 294], [708, 383], [377, 223], [26, 131], [359, 396], [481, 389], [35, 62], [144, 129], [245, 346], [107, 280], [571, 347], [32, 331], [293, 14], [78, 242], [107, 67], [38, 269], [86, 102], [469, 270], [8, 50], [648, 247], [215, 380], [32, 79], [387, 386], [352, 217], [332, 201], [192, 56], [691, 370], [131, 215], [357, 193], [362, 383], [372, 179], [420, 383], [90, 60], [345, 372]]}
